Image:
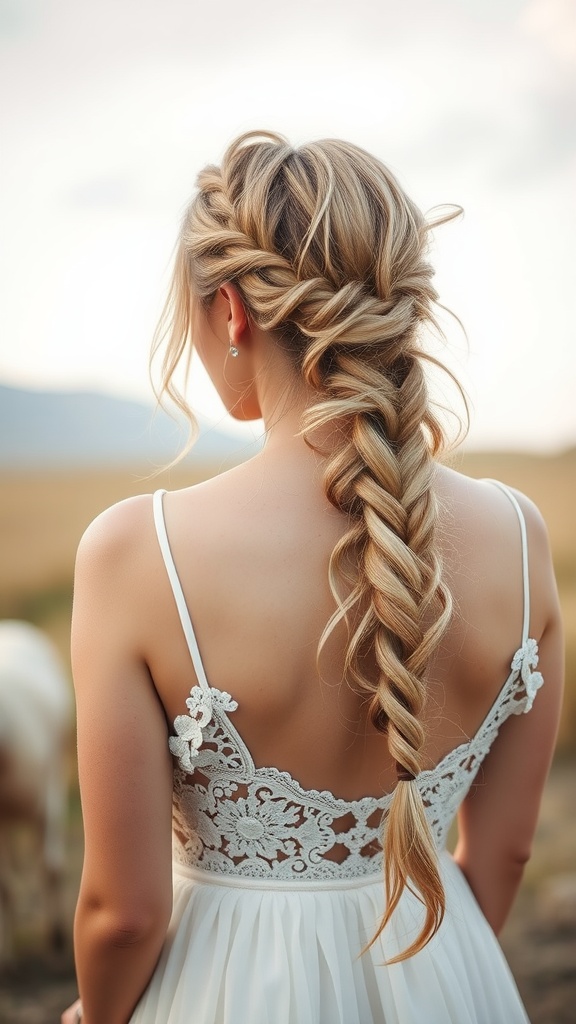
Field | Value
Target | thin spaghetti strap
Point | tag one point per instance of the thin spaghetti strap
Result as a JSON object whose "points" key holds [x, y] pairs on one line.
{"points": [[525, 569], [179, 598]]}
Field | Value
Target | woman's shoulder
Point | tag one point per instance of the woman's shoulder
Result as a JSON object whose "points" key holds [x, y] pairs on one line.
{"points": [[118, 529], [497, 535], [488, 503], [126, 531]]}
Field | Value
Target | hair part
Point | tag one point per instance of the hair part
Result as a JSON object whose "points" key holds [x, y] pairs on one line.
{"points": [[330, 255]]}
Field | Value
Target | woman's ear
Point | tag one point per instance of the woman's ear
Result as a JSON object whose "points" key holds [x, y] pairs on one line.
{"points": [[237, 316]]}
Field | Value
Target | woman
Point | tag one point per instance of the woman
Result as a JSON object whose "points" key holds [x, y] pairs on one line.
{"points": [[369, 623]]}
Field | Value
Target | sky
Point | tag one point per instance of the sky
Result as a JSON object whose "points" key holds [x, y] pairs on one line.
{"points": [[110, 109]]}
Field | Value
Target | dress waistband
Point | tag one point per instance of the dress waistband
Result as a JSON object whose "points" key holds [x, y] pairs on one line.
{"points": [[196, 874]]}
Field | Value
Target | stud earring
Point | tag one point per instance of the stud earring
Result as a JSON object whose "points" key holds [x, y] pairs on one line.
{"points": [[233, 350]]}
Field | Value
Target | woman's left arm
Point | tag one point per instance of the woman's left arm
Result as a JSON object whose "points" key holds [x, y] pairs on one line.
{"points": [[125, 769]]}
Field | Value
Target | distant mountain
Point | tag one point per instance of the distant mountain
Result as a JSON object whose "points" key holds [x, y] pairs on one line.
{"points": [[69, 428]]}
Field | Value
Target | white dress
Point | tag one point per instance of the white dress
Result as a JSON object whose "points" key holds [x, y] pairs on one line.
{"points": [[267, 930]]}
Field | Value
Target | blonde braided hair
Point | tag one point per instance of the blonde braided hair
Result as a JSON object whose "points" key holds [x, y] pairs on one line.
{"points": [[328, 254]]}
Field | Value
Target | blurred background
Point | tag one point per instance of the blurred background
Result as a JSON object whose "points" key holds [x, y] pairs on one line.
{"points": [[108, 111]]}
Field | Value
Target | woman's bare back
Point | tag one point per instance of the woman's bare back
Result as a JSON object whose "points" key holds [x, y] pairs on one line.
{"points": [[252, 549]]}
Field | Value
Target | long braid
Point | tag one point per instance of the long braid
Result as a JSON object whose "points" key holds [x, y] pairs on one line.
{"points": [[328, 254], [382, 479], [401, 576]]}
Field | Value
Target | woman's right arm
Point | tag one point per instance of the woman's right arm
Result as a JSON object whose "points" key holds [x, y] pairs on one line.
{"points": [[497, 821]]}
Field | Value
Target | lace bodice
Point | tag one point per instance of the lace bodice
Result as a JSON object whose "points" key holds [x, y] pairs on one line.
{"points": [[234, 819]]}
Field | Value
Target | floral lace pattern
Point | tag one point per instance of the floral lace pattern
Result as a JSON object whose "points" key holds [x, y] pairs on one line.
{"points": [[232, 818], [525, 661], [189, 728]]}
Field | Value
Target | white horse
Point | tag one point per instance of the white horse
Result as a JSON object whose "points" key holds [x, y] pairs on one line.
{"points": [[35, 721]]}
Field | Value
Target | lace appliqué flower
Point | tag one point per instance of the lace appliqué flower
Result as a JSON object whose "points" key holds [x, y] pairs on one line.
{"points": [[257, 825], [188, 739], [525, 662]]}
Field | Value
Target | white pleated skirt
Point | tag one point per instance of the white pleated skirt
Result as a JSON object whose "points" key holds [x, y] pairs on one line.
{"points": [[255, 952]]}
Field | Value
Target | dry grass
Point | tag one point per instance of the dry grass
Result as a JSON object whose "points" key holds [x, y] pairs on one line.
{"points": [[43, 516]]}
